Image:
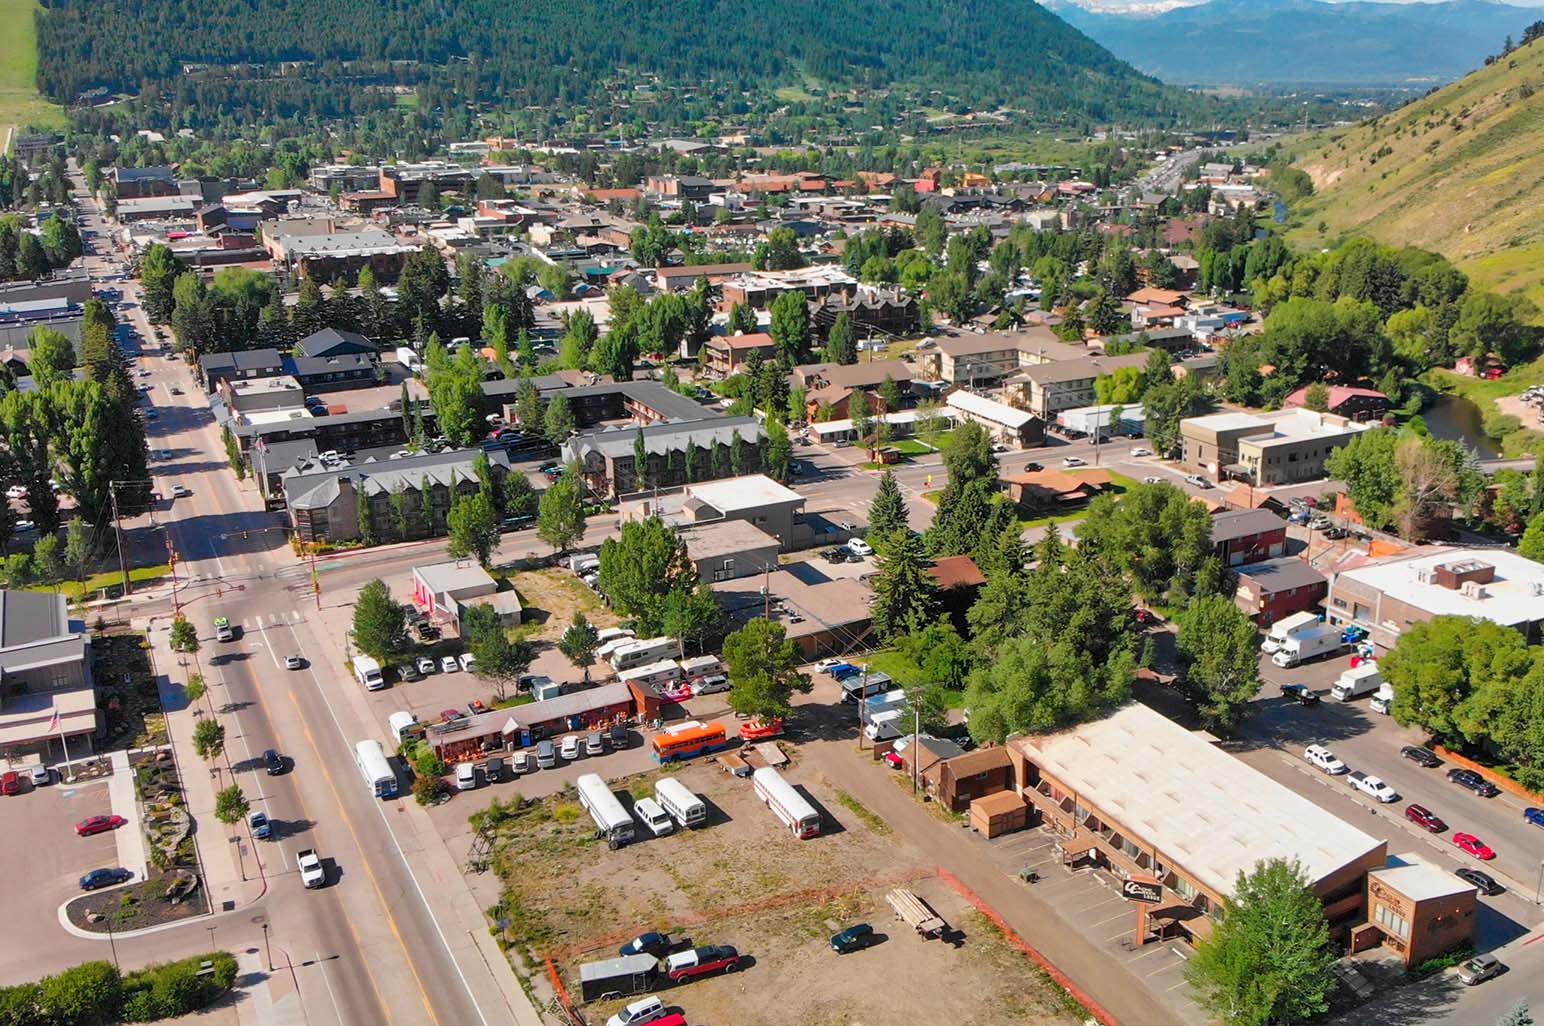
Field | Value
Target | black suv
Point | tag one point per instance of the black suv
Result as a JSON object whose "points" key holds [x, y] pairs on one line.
{"points": [[1425, 756], [1473, 781]]}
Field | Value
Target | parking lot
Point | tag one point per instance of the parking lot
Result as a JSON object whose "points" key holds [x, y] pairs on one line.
{"points": [[41, 876], [1274, 739]]}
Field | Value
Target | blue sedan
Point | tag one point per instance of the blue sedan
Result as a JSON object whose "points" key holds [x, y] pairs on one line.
{"points": [[1534, 816], [104, 878]]}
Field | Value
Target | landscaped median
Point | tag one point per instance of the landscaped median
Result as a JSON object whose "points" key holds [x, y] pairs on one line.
{"points": [[96, 992]]}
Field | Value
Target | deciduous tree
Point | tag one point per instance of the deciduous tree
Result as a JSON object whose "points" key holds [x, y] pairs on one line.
{"points": [[380, 622], [1219, 647], [763, 670]]}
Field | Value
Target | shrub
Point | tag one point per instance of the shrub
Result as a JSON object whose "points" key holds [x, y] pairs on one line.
{"points": [[429, 789], [89, 994]]}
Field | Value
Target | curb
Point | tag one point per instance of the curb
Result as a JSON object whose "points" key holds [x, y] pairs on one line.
{"points": [[73, 930], [1505, 783]]}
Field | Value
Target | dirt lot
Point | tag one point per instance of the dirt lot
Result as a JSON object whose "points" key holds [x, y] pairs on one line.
{"points": [[562, 595], [745, 880]]}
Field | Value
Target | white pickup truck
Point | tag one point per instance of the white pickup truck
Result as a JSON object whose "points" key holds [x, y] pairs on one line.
{"points": [[311, 872]]}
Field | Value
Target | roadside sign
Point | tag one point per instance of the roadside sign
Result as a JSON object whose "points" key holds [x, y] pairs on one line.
{"points": [[1147, 892]]}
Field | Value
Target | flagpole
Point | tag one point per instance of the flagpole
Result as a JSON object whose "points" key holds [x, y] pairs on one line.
{"points": [[64, 744]]}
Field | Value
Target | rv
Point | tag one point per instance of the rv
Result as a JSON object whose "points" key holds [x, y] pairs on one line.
{"points": [[678, 800], [642, 653], [404, 726], [368, 672], [700, 666], [786, 803], [666, 671], [611, 820]]}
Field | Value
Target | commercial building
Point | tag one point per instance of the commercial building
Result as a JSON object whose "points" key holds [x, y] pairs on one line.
{"points": [[1417, 910], [248, 396], [633, 402], [1281, 447], [482, 734], [1009, 425], [1360, 404], [1103, 422], [676, 452], [329, 255], [1276, 588], [383, 500], [445, 591], [1139, 797], [903, 424], [754, 498], [1389, 596], [241, 366], [821, 616], [726, 550], [46, 688], [1247, 535]]}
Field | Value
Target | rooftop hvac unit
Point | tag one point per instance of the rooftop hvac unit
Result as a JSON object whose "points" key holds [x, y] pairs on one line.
{"points": [[1424, 576], [1536, 588], [1473, 589]]}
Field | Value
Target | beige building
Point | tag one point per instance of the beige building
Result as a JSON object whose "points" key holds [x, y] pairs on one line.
{"points": [[984, 361], [1047, 389], [1280, 447]]}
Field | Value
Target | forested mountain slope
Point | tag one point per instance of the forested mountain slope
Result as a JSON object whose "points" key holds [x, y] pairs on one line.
{"points": [[1458, 171], [573, 53]]}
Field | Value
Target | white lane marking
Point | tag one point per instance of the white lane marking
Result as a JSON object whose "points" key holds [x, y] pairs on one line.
{"points": [[381, 812]]}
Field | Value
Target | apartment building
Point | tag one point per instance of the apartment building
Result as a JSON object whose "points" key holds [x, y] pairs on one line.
{"points": [[1280, 447]]}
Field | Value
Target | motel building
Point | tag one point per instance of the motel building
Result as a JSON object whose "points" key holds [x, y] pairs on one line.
{"points": [[1172, 820]]}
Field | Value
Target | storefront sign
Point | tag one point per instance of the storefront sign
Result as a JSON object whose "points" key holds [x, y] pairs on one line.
{"points": [[1139, 890]]}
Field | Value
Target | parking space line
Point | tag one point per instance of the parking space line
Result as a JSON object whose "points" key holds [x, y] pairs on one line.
{"points": [[1121, 915]]}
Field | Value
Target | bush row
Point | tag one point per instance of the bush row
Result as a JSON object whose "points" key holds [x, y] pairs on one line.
{"points": [[97, 994]]}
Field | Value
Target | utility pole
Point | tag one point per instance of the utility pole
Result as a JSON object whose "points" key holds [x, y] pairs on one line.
{"points": [[916, 729], [123, 562]]}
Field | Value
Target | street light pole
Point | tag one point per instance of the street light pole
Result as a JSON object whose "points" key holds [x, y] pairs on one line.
{"points": [[267, 948], [1538, 888]]}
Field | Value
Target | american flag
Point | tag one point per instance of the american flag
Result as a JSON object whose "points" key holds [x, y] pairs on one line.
{"points": [[53, 724]]}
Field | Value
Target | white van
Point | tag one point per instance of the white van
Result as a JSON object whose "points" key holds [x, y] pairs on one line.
{"points": [[468, 662], [636, 1013], [652, 816]]}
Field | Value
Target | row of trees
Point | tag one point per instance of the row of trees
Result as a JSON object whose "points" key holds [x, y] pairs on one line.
{"points": [[25, 256], [96, 993]]}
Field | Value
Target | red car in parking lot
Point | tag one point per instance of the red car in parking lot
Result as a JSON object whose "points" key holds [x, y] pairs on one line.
{"points": [[1423, 816], [10, 783], [98, 824], [1474, 846]]}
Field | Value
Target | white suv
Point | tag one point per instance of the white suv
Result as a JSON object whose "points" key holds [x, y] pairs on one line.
{"points": [[1325, 759], [1372, 787]]}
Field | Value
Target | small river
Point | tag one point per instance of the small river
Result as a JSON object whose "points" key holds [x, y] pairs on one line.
{"points": [[1455, 417]]}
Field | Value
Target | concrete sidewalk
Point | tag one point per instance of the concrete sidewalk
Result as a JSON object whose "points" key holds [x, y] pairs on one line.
{"points": [[233, 874], [130, 838]]}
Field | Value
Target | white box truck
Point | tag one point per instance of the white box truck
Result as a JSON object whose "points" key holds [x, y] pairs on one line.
{"points": [[1287, 627], [611, 820], [884, 726], [368, 672], [1356, 682], [1383, 698], [1300, 648]]}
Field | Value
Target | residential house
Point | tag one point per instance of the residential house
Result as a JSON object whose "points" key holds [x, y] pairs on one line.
{"points": [[727, 353], [1041, 492], [332, 342], [1275, 588], [958, 582], [1359, 404], [870, 311], [960, 780], [1247, 536]]}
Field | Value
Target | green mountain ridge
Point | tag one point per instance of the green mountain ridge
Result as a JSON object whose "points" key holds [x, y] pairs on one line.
{"points": [[721, 55], [1457, 171]]}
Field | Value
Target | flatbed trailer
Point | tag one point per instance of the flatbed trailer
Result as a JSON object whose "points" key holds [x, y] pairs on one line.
{"points": [[916, 913]]}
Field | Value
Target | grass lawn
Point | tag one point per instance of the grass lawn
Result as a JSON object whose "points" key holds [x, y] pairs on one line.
{"points": [[139, 575], [912, 447], [20, 104], [1119, 485]]}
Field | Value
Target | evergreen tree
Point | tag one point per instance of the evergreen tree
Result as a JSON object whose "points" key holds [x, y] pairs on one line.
{"points": [[904, 592], [840, 347], [887, 510]]}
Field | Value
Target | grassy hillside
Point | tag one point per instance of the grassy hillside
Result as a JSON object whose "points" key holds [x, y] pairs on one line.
{"points": [[1458, 171], [20, 104]]}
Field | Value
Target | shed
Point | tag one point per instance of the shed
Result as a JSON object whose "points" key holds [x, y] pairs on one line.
{"points": [[1000, 813]]}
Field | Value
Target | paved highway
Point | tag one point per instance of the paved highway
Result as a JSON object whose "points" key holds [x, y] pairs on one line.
{"points": [[387, 941]]}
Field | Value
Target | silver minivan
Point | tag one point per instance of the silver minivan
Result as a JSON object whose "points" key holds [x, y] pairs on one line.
{"points": [[546, 755], [466, 776]]}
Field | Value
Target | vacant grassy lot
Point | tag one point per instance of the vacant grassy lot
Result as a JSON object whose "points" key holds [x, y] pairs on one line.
{"points": [[20, 104], [550, 598]]}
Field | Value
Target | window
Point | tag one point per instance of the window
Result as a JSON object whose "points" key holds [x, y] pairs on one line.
{"points": [[1391, 921]]}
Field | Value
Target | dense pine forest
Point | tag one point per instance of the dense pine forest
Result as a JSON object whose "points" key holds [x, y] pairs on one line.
{"points": [[254, 59]]}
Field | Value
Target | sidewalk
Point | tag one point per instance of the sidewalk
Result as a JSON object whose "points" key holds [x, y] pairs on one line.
{"points": [[233, 875], [130, 838]]}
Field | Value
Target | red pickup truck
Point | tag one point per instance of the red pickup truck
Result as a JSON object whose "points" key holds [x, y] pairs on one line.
{"points": [[684, 965]]}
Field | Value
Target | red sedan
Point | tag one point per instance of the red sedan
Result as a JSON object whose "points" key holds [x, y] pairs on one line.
{"points": [[98, 824], [1423, 816], [1474, 846]]}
